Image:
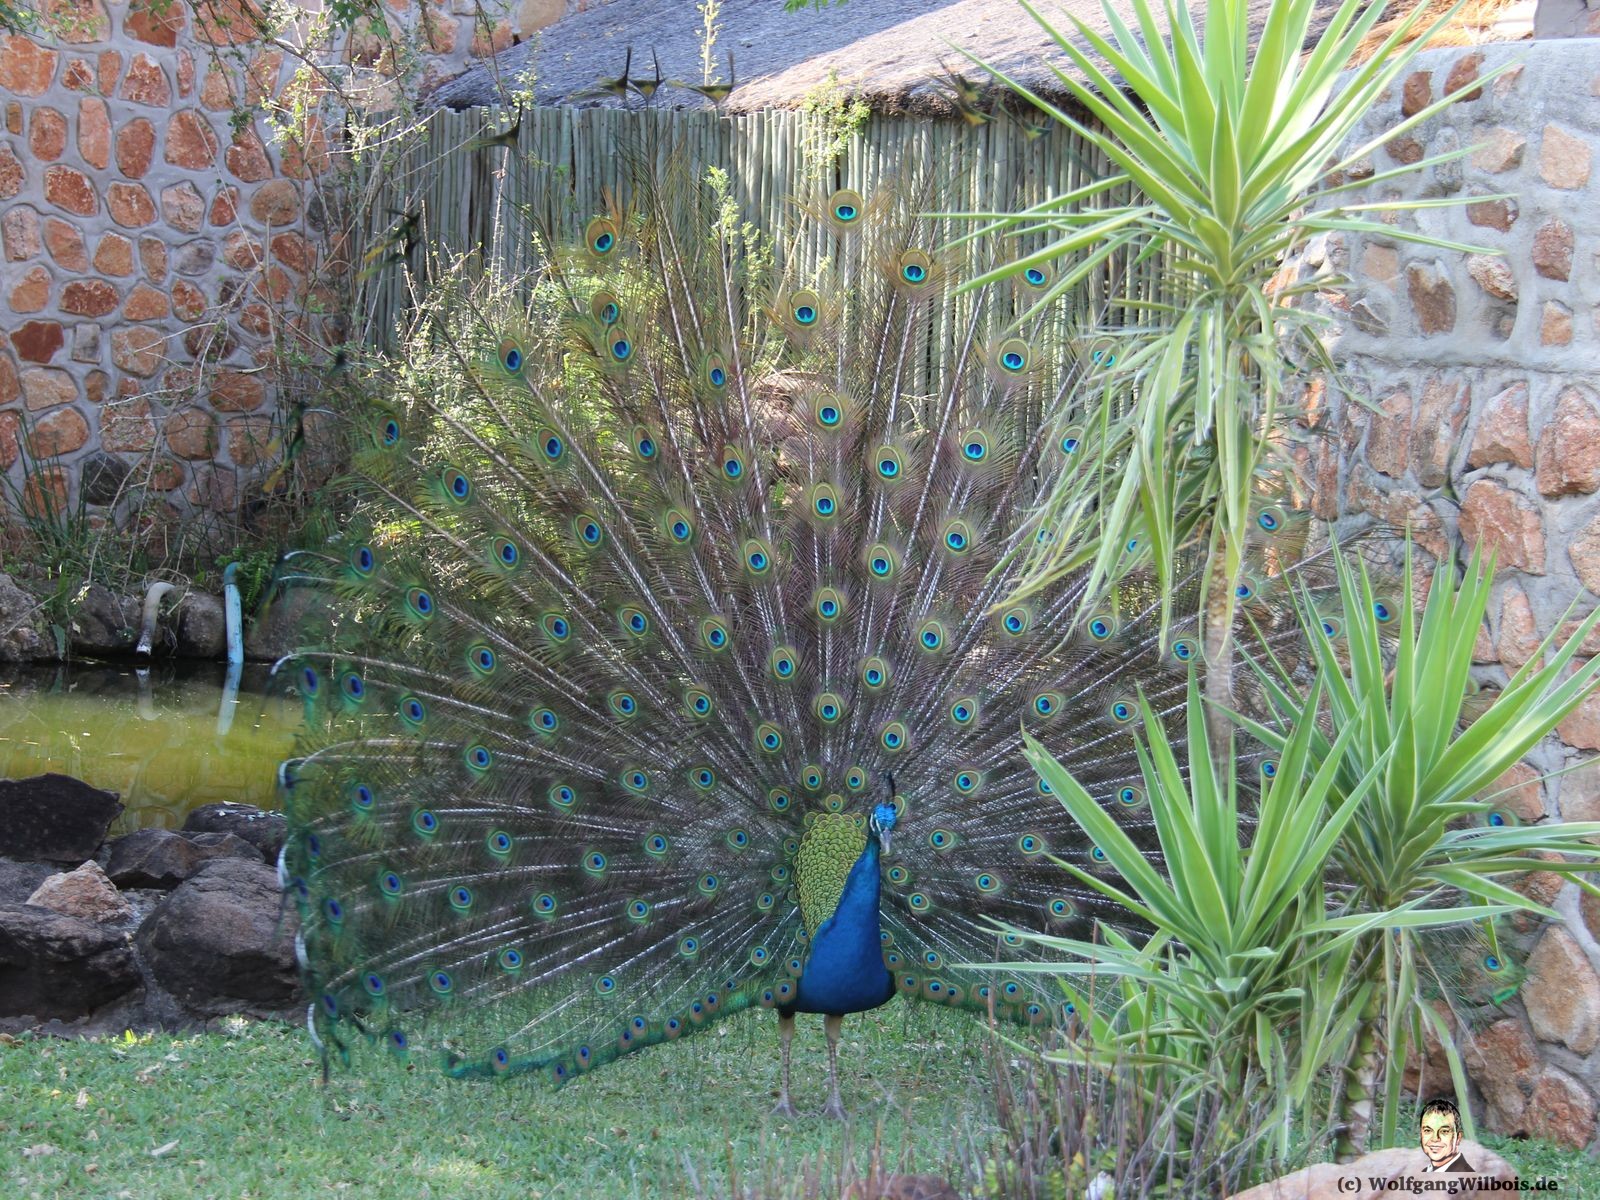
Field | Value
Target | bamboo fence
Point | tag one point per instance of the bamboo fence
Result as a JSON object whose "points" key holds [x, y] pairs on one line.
{"points": [[492, 200]]}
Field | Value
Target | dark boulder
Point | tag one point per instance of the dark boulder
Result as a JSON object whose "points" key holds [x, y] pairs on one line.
{"points": [[263, 830], [164, 858], [19, 879], [23, 634], [223, 942], [201, 627], [104, 623], [285, 621], [52, 965], [54, 818]]}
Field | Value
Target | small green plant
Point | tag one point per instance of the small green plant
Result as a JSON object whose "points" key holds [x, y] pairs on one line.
{"points": [[1428, 841], [1223, 135], [837, 115], [710, 11]]}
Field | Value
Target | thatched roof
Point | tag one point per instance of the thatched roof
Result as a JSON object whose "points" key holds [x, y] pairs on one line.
{"points": [[887, 52]]}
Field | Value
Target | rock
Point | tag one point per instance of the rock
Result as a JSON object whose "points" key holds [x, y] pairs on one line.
{"points": [[53, 965], [281, 624], [1494, 275], [163, 858], [1568, 461], [1562, 994], [19, 879], [1382, 1173], [1560, 1110], [21, 636], [103, 477], [1503, 1061], [1505, 522], [54, 818], [85, 893], [103, 623], [1433, 297], [223, 942], [263, 830], [202, 628], [1502, 433]]}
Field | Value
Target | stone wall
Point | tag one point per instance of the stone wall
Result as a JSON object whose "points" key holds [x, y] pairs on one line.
{"points": [[1482, 371], [166, 180]]}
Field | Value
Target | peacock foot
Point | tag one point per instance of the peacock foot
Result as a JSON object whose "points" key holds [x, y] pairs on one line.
{"points": [[834, 1109], [785, 1108]]}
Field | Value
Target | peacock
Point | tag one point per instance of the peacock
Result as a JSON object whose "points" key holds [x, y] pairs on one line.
{"points": [[678, 664]]}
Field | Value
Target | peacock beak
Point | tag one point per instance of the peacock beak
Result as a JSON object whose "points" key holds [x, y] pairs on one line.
{"points": [[883, 841]]}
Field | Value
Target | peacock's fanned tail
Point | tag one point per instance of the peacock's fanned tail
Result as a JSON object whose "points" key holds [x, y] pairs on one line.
{"points": [[651, 565]]}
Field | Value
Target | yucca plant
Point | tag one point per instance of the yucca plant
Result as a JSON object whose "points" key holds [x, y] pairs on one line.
{"points": [[1229, 153], [1427, 838], [1241, 946]]}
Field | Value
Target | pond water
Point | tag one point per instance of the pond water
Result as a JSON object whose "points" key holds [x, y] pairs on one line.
{"points": [[164, 737]]}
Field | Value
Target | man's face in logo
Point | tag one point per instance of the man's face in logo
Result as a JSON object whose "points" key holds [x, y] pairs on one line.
{"points": [[1440, 1137]]}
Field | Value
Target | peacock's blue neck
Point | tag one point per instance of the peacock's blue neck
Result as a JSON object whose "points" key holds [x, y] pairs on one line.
{"points": [[844, 972]]}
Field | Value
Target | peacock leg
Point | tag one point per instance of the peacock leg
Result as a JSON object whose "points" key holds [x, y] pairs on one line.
{"points": [[835, 1106], [785, 1107]]}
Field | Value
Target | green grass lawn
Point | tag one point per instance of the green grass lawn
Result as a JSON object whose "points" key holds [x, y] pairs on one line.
{"points": [[250, 1118], [244, 1116]]}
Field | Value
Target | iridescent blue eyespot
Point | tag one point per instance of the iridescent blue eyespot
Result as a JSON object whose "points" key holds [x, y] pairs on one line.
{"points": [[390, 884], [479, 758], [499, 842], [441, 982], [1013, 360], [311, 680], [621, 349], [373, 984], [1269, 768], [391, 432], [1034, 276], [1382, 611], [361, 796], [805, 314], [425, 822], [363, 560], [461, 899], [1492, 963], [717, 376], [544, 904], [334, 910], [913, 272], [412, 710], [828, 414], [353, 686], [1497, 819]]}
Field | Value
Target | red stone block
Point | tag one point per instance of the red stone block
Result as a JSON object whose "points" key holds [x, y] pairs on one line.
{"points": [[241, 251], [247, 158], [65, 244], [144, 303], [114, 255], [183, 207], [188, 301], [158, 24], [191, 142], [26, 67], [11, 173], [89, 298], [94, 132], [110, 70], [19, 229], [146, 83], [130, 205], [276, 203], [78, 21], [47, 134], [153, 258], [60, 432], [136, 143], [225, 208], [31, 292], [79, 76], [237, 391], [38, 341], [227, 22], [71, 190], [185, 73]]}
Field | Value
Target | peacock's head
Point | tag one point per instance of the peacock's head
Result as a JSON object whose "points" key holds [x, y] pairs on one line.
{"points": [[884, 814]]}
